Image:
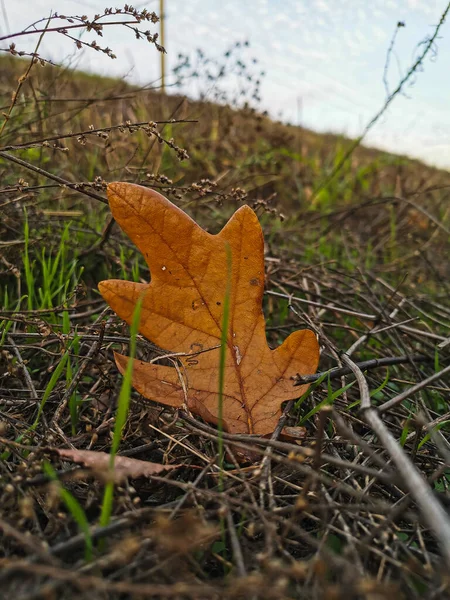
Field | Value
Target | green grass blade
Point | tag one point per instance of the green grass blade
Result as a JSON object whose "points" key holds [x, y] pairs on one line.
{"points": [[311, 389], [50, 387], [73, 401], [381, 387], [405, 431], [27, 265], [437, 367], [6, 324], [75, 509], [121, 415], [331, 397], [428, 436]]}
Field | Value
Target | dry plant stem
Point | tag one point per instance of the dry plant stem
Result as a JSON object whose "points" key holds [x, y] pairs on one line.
{"points": [[109, 226], [22, 79], [27, 542], [322, 418], [419, 332], [135, 517], [25, 371], [236, 546], [412, 390], [98, 245], [179, 443], [432, 511], [195, 483], [331, 557], [89, 582], [45, 311], [79, 187], [364, 338], [252, 443], [442, 445], [32, 29], [73, 384], [311, 482], [446, 342], [365, 365], [354, 313], [426, 213], [411, 303], [64, 136], [345, 311], [418, 62], [348, 535], [265, 462], [69, 391], [350, 435], [119, 339], [130, 518]]}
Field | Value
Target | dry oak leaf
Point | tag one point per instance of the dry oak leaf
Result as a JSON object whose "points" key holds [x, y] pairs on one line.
{"points": [[182, 312], [123, 466]]}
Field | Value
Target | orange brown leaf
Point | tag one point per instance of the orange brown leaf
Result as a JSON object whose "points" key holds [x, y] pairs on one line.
{"points": [[182, 312]]}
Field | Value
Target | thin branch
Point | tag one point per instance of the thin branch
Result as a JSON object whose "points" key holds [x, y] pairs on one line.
{"points": [[428, 46], [432, 511], [23, 366], [105, 130], [80, 187], [22, 80], [412, 390], [365, 365]]}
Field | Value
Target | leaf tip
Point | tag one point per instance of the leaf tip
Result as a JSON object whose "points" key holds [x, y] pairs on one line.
{"points": [[116, 188], [121, 362], [108, 290], [104, 287]]}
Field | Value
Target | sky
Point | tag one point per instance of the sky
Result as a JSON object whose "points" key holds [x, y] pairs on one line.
{"points": [[324, 61]]}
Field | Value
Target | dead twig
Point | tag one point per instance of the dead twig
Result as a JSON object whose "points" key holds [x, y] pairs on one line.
{"points": [[412, 390], [431, 509], [364, 365]]}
